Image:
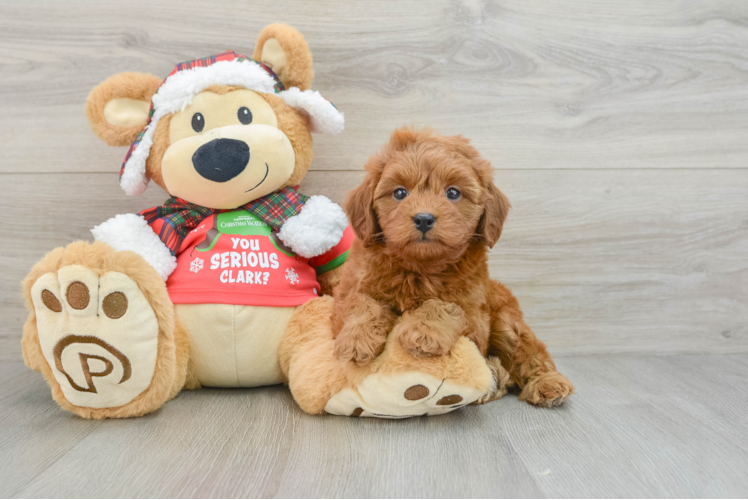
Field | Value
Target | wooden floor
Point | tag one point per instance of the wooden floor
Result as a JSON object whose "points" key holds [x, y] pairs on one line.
{"points": [[619, 131], [640, 426]]}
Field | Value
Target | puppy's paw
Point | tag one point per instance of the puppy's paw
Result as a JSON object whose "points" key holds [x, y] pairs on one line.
{"points": [[501, 380], [431, 329], [547, 389], [360, 343], [421, 341]]}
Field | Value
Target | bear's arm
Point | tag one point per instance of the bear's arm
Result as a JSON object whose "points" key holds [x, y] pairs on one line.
{"points": [[315, 230], [131, 232]]}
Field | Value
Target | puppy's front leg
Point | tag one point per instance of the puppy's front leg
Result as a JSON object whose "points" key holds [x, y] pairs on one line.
{"points": [[360, 327], [431, 329]]}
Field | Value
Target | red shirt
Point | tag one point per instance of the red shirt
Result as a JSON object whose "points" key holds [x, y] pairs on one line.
{"points": [[236, 258]]}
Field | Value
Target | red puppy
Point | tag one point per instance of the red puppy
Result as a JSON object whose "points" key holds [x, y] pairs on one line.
{"points": [[425, 216]]}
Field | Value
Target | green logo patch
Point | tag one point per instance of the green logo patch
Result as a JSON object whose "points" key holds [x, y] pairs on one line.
{"points": [[243, 223]]}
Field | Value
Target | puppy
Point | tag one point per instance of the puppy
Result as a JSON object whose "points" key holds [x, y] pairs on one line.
{"points": [[425, 216]]}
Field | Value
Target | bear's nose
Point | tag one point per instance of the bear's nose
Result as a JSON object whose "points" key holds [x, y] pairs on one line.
{"points": [[221, 160], [424, 222]]}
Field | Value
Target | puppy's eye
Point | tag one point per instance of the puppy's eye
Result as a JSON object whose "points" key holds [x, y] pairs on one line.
{"points": [[400, 194], [453, 194], [245, 115], [198, 122]]}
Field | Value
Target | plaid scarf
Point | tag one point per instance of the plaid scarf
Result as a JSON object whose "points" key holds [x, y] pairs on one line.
{"points": [[173, 220]]}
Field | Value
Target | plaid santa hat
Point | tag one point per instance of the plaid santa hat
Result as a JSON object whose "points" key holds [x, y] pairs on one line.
{"points": [[192, 77]]}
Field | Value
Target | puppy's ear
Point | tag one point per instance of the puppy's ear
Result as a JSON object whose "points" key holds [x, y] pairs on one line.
{"points": [[117, 109], [284, 50], [360, 203], [402, 137], [360, 209], [495, 209]]}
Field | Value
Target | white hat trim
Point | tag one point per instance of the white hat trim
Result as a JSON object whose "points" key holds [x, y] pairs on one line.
{"points": [[326, 119], [177, 91]]}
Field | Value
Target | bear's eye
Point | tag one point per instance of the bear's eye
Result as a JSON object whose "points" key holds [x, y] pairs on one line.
{"points": [[245, 115], [453, 194], [198, 122], [400, 194]]}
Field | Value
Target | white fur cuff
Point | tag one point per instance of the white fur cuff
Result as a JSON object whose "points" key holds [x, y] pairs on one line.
{"points": [[132, 232], [317, 229]]}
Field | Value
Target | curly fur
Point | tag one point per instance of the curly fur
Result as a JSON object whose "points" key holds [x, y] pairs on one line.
{"points": [[430, 289]]}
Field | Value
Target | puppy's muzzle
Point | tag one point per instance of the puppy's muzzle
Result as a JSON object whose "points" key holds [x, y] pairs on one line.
{"points": [[424, 222], [220, 160]]}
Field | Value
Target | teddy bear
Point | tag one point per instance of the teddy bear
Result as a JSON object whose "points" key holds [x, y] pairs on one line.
{"points": [[227, 284]]}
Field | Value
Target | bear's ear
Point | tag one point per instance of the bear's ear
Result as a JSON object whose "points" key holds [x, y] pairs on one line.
{"points": [[284, 50], [117, 109]]}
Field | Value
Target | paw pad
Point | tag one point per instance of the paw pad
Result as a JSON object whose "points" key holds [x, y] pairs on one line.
{"points": [[450, 400], [115, 305], [416, 392], [49, 300], [77, 295]]}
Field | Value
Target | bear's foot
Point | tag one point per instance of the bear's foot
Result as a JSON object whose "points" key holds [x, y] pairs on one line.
{"points": [[406, 395], [401, 386], [98, 334], [102, 332]]}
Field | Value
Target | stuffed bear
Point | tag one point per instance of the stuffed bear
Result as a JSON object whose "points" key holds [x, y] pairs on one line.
{"points": [[219, 286]]}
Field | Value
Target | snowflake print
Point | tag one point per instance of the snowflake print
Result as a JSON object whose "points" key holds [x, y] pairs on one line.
{"points": [[291, 275], [196, 265]]}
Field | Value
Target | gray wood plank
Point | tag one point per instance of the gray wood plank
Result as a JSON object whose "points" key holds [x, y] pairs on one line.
{"points": [[35, 434], [639, 426], [258, 444], [602, 261], [601, 84]]}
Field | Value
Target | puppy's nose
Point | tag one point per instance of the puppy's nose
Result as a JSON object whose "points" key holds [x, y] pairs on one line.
{"points": [[424, 222], [221, 160]]}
